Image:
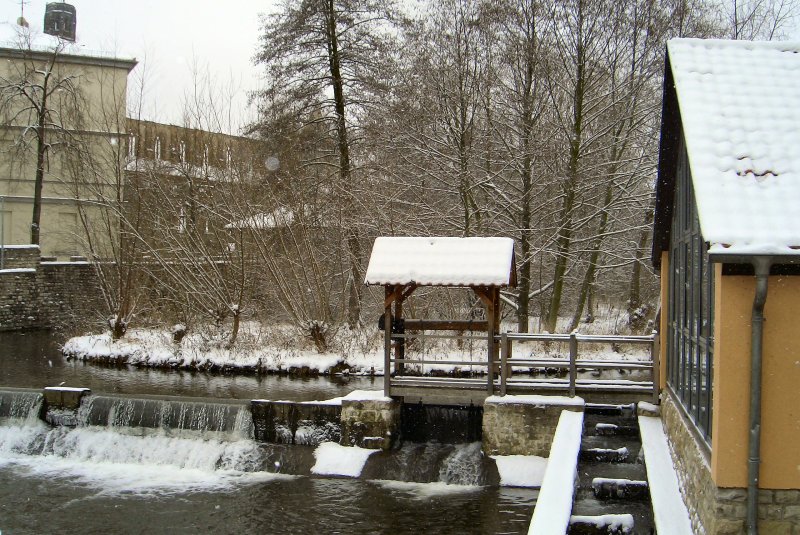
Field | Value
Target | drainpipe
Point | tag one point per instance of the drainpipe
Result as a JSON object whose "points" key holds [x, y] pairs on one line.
{"points": [[761, 266]]}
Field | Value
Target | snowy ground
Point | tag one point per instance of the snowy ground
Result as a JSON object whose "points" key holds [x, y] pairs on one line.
{"points": [[282, 349]]}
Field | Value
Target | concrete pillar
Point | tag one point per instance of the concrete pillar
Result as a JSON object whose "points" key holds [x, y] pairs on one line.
{"points": [[373, 424], [523, 425]]}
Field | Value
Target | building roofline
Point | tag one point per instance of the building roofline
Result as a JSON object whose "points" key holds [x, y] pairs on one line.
{"points": [[75, 59], [668, 154]]}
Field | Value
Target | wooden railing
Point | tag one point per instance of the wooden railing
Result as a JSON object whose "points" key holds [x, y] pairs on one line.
{"points": [[500, 378]]}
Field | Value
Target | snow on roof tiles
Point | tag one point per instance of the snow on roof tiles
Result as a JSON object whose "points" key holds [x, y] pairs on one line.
{"points": [[441, 261], [740, 107]]}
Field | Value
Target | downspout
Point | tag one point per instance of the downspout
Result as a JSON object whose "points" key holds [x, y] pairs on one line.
{"points": [[761, 266]]}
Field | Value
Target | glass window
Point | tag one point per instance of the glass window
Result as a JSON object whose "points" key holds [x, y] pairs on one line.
{"points": [[691, 308]]}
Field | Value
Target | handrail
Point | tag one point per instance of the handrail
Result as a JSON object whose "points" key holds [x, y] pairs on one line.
{"points": [[572, 363]]}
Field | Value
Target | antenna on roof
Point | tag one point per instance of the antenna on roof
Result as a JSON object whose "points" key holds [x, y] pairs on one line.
{"points": [[21, 20]]}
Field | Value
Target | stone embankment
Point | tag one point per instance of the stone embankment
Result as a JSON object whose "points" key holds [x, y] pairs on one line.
{"points": [[39, 294]]}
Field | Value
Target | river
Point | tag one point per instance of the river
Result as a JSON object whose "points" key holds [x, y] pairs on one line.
{"points": [[96, 479]]}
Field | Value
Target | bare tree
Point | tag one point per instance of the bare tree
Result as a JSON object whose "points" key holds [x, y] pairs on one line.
{"points": [[322, 59], [758, 19], [39, 99]]}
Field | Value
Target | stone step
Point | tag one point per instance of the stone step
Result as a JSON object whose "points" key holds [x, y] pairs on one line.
{"points": [[605, 455], [613, 524], [628, 410], [608, 429], [610, 489]]}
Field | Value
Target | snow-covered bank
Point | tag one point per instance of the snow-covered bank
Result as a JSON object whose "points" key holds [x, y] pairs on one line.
{"points": [[279, 349], [155, 349]]}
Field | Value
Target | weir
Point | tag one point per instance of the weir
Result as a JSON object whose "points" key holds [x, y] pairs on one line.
{"points": [[246, 436]]}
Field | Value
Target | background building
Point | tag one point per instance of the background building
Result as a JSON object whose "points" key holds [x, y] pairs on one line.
{"points": [[78, 103]]}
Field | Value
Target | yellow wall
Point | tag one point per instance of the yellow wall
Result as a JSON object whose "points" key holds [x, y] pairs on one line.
{"points": [[96, 124], [780, 434]]}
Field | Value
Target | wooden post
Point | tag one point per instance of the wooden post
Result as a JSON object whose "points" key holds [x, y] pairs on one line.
{"points": [[573, 356], [503, 363], [387, 342], [655, 356], [400, 343], [491, 332]]}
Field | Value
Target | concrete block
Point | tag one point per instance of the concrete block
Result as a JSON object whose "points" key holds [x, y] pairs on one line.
{"points": [[63, 397], [523, 425], [373, 424]]}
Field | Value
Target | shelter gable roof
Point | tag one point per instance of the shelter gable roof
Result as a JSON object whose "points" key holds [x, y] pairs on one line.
{"points": [[442, 261], [739, 105]]}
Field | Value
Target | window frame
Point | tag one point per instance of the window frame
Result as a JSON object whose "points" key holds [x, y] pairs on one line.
{"points": [[690, 339]]}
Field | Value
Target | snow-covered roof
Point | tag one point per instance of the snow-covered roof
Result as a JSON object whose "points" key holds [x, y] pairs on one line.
{"points": [[280, 217], [739, 104], [442, 261]]}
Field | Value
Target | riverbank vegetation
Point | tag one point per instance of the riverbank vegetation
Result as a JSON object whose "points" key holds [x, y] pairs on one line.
{"points": [[277, 349]]}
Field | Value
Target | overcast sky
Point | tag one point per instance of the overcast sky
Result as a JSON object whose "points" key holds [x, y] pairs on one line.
{"points": [[168, 37], [171, 39]]}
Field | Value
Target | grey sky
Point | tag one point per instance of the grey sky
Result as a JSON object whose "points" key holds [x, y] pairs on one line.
{"points": [[170, 38]]}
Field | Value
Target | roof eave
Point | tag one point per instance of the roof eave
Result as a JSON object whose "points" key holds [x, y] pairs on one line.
{"points": [[667, 166]]}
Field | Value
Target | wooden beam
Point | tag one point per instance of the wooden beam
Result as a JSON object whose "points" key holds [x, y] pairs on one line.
{"points": [[484, 294], [387, 344], [392, 292], [408, 291], [446, 325], [399, 345]]}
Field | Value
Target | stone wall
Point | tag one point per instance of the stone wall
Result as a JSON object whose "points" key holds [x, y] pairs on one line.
{"points": [[43, 295], [524, 427], [20, 256], [721, 511], [370, 423]]}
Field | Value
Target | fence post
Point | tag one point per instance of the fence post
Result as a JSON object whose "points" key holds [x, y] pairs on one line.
{"points": [[503, 362], [387, 351], [655, 362], [573, 368]]}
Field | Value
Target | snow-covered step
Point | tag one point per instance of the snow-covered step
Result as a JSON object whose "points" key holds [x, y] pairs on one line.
{"points": [[608, 429], [606, 488], [611, 409], [605, 455], [613, 524]]}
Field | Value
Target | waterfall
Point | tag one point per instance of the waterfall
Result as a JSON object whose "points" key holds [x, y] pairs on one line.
{"points": [[144, 440], [153, 434], [442, 423], [18, 404], [430, 462], [232, 419]]}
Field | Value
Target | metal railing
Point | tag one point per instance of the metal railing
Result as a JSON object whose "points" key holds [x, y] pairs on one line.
{"points": [[500, 377]]}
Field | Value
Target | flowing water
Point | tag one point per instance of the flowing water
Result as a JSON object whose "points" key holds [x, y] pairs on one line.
{"points": [[143, 464]]}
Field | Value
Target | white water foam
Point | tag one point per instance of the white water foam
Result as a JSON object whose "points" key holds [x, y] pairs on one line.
{"points": [[424, 491], [462, 466], [118, 462]]}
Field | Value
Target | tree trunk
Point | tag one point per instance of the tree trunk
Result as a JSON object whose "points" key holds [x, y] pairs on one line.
{"points": [[41, 148], [353, 247], [234, 329], [591, 270], [634, 297], [523, 309], [565, 218]]}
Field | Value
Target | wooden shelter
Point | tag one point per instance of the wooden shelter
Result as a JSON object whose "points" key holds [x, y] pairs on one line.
{"points": [[403, 264]]}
